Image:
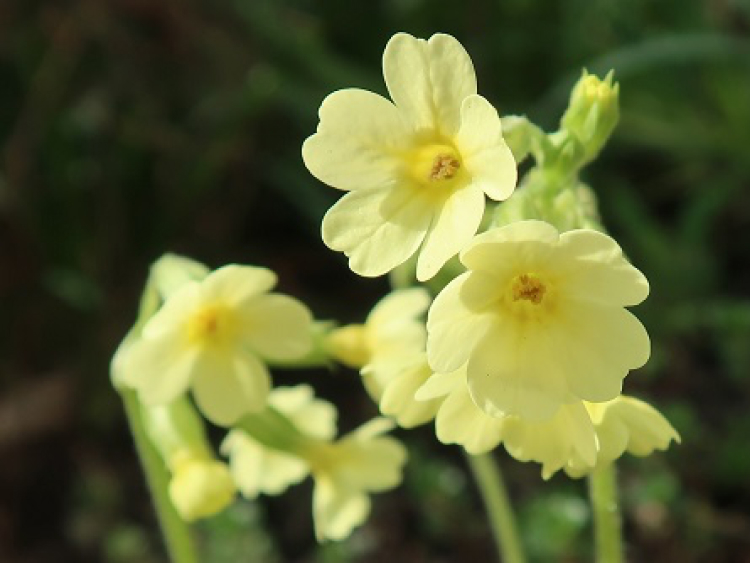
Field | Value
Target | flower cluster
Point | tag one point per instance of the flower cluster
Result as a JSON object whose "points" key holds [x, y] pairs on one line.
{"points": [[215, 333], [529, 339], [526, 342]]}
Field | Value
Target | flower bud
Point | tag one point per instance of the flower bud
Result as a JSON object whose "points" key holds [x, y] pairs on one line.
{"points": [[200, 487], [593, 112], [348, 345]]}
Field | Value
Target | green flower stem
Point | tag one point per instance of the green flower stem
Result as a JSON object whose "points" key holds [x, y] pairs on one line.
{"points": [[492, 488], [175, 530], [607, 521]]}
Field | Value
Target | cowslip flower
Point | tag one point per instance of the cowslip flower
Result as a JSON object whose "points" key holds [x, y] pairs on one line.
{"points": [[627, 424], [346, 471], [580, 437], [257, 468], [389, 350], [418, 168], [213, 336], [540, 320], [297, 440], [566, 440]]}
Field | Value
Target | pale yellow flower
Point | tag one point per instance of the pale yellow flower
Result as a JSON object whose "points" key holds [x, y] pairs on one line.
{"points": [[345, 472], [627, 424], [540, 320], [390, 350], [297, 440], [566, 440], [213, 336], [580, 437], [257, 468], [418, 168]]}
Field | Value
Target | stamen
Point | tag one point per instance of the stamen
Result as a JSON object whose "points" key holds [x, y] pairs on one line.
{"points": [[528, 287], [444, 167]]}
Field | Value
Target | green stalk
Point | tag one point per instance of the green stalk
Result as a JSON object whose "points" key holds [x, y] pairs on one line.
{"points": [[175, 530], [489, 480], [607, 520]]}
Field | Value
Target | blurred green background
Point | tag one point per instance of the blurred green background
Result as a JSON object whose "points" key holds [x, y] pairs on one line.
{"points": [[133, 127]]}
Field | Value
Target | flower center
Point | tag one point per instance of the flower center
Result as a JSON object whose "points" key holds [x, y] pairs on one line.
{"points": [[210, 325], [435, 163], [528, 287]]}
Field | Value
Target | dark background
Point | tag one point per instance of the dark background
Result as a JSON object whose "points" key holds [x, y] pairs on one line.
{"points": [[133, 127]]}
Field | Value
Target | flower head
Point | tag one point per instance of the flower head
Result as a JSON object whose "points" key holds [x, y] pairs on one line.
{"points": [[345, 472], [213, 336], [540, 320], [627, 424], [578, 438], [566, 440], [298, 439], [417, 168], [257, 468]]}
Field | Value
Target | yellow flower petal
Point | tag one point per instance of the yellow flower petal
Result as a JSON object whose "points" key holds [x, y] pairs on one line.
{"points": [[453, 329], [428, 80], [277, 327], [397, 306], [628, 424], [513, 373], [235, 284], [257, 469], [337, 511], [568, 437], [621, 344], [314, 417], [163, 356], [598, 271], [398, 398], [460, 421], [488, 253], [377, 229], [487, 157], [440, 384], [355, 145], [454, 225], [225, 391]]}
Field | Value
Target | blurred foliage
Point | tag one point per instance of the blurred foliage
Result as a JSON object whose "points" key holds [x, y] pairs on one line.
{"points": [[133, 127]]}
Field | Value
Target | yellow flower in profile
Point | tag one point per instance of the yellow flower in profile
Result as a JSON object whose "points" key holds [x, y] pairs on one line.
{"points": [[580, 437], [275, 449], [213, 336], [566, 440], [627, 424], [389, 349], [346, 471], [539, 319], [257, 468], [418, 168]]}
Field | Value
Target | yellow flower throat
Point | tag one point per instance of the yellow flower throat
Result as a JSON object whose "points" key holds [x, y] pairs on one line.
{"points": [[435, 163], [212, 324]]}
